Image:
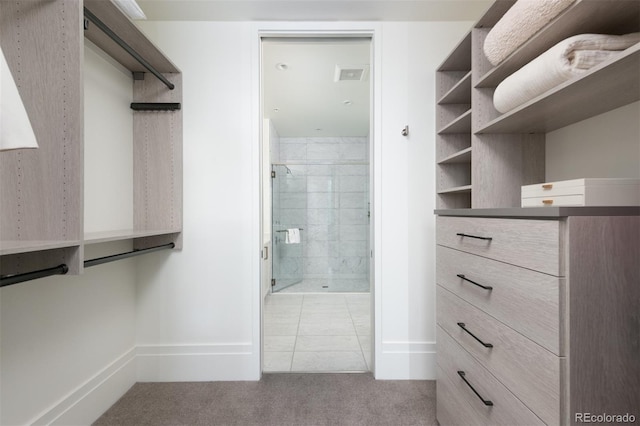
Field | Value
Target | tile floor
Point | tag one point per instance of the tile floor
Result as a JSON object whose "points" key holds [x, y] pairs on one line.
{"points": [[317, 332], [324, 285]]}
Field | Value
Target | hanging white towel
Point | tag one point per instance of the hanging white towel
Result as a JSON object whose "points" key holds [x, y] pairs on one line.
{"points": [[293, 236], [15, 127]]}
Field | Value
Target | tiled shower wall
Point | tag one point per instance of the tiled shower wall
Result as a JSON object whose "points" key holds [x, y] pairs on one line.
{"points": [[327, 194]]}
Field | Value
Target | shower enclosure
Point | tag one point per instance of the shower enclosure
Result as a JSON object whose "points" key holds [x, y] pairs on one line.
{"points": [[329, 203]]}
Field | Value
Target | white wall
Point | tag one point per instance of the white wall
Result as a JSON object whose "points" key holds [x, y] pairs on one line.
{"points": [[108, 148], [607, 145], [68, 343], [198, 311]]}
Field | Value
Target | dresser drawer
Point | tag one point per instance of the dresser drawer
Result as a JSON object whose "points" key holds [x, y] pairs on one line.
{"points": [[451, 405], [525, 300], [532, 244], [531, 372], [505, 408]]}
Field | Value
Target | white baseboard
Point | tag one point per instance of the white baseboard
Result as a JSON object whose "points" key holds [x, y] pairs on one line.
{"points": [[406, 361], [184, 363], [85, 404]]}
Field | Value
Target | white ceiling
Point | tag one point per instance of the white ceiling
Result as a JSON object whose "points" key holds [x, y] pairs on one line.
{"points": [[306, 95], [314, 10], [305, 99]]}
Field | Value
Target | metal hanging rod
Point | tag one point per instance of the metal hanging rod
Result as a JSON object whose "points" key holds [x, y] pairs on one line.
{"points": [[114, 257], [113, 36], [155, 106], [323, 163], [18, 278], [284, 230]]}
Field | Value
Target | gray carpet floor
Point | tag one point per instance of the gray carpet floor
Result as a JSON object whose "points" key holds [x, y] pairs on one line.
{"points": [[279, 399]]}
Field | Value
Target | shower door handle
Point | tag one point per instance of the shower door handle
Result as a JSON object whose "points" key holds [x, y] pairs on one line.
{"points": [[265, 253]]}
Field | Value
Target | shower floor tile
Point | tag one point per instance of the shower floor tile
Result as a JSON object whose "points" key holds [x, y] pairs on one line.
{"points": [[317, 332], [323, 285]]}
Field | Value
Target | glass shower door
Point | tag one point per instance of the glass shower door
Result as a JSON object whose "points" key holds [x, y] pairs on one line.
{"points": [[289, 204]]}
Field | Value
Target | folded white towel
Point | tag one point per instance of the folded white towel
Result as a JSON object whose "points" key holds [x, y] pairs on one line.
{"points": [[15, 127], [293, 236], [518, 24], [570, 58]]}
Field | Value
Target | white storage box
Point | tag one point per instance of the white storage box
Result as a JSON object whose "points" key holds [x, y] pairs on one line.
{"points": [[583, 192]]}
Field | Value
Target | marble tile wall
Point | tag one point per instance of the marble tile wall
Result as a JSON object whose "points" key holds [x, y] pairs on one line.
{"points": [[330, 201]]}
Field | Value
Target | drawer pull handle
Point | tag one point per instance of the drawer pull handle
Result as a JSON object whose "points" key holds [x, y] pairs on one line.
{"points": [[547, 202], [547, 186], [484, 401], [486, 287], [474, 236], [486, 345]]}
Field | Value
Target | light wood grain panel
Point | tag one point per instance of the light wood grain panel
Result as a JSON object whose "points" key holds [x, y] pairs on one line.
{"points": [[604, 294], [460, 57], [454, 200], [447, 80], [527, 301], [507, 409], [525, 368], [532, 244], [450, 114], [120, 24], [501, 164], [459, 93], [447, 145], [451, 406], [453, 175], [157, 157], [41, 189]]}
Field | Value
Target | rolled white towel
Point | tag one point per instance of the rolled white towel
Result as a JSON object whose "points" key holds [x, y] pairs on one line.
{"points": [[518, 24], [569, 58]]}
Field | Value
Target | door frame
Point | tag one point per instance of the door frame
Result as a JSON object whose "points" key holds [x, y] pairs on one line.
{"points": [[263, 30]]}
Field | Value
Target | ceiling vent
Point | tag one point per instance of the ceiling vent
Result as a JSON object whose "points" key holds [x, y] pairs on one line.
{"points": [[351, 72]]}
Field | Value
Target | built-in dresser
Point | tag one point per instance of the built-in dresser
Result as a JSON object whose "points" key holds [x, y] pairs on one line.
{"points": [[538, 309]]}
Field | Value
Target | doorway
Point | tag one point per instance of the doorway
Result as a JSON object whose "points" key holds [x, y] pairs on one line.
{"points": [[316, 106]]}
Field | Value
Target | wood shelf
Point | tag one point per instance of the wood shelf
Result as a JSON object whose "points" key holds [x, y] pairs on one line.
{"points": [[459, 93], [610, 85], [584, 16], [18, 247], [456, 190], [463, 156], [460, 58], [125, 234], [462, 124], [109, 13]]}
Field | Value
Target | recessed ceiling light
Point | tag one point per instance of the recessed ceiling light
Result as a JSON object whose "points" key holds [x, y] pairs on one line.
{"points": [[281, 66], [347, 102]]}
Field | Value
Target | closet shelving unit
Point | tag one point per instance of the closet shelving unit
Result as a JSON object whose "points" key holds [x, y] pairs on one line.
{"points": [[41, 190], [453, 140], [486, 165], [486, 244]]}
